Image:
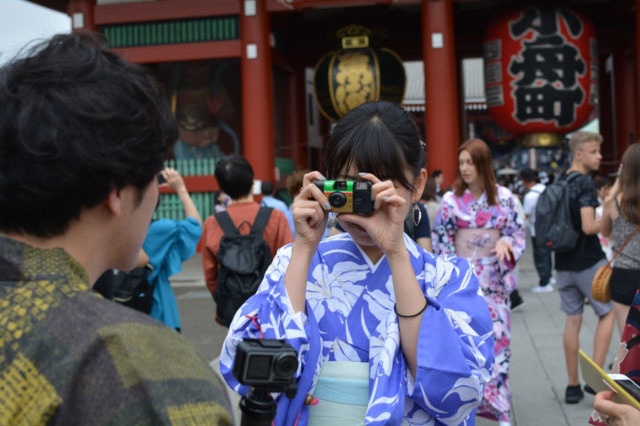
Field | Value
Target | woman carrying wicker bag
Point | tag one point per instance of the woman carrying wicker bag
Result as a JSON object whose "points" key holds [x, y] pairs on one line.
{"points": [[620, 218]]}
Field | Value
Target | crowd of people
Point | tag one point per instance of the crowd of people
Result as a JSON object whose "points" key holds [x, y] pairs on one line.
{"points": [[398, 315]]}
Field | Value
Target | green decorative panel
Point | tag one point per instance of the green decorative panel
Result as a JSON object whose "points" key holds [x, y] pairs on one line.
{"points": [[285, 165], [170, 32], [170, 206]]}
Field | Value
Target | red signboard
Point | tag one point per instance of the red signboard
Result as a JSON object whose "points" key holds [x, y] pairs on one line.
{"points": [[541, 70]]}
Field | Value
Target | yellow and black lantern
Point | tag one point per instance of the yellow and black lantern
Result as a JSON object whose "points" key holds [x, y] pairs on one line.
{"points": [[357, 73]]}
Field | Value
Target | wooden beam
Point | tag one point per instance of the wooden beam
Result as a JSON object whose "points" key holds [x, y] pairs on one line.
{"points": [[181, 52], [59, 5], [195, 184], [163, 10], [284, 5]]}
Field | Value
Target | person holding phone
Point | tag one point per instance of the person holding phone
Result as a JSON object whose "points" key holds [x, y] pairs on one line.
{"points": [[627, 362], [168, 243], [617, 414], [479, 220], [385, 332]]}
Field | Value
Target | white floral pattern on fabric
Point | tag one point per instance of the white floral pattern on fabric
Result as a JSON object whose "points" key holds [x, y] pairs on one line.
{"points": [[350, 317]]}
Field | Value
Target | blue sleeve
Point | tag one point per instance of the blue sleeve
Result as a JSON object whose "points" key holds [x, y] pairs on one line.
{"points": [[169, 243], [455, 343]]}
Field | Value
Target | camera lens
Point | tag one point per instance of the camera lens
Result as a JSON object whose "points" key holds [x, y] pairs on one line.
{"points": [[337, 199], [285, 366]]}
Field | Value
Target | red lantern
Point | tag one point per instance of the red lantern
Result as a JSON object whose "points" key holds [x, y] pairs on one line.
{"points": [[540, 70]]}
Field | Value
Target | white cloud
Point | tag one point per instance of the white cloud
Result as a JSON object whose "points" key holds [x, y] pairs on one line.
{"points": [[22, 22]]}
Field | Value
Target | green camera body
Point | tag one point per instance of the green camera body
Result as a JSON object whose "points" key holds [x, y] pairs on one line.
{"points": [[347, 196]]}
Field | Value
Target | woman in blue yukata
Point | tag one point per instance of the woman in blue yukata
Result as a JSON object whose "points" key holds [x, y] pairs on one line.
{"points": [[386, 333]]}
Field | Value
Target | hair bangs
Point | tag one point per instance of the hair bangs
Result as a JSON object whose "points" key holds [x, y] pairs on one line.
{"points": [[369, 150]]}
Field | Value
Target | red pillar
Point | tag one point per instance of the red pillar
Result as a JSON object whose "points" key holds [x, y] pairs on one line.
{"points": [[441, 87], [82, 15], [298, 117], [625, 103], [257, 91]]}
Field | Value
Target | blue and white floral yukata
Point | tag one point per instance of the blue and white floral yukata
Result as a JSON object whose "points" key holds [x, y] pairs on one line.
{"points": [[350, 317]]}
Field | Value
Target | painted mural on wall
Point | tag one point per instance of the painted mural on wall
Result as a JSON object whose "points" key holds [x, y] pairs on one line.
{"points": [[205, 98], [540, 70]]}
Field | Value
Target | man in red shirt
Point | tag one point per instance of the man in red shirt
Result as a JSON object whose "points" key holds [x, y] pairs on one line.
{"points": [[235, 177]]}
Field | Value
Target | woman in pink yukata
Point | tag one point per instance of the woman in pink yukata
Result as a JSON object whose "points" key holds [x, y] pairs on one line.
{"points": [[478, 220]]}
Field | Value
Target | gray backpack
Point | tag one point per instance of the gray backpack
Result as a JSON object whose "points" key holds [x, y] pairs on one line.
{"points": [[555, 230]]}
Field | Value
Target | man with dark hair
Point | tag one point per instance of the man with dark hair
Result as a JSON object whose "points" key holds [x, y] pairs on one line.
{"points": [[83, 135], [576, 268], [235, 177], [269, 200], [541, 258]]}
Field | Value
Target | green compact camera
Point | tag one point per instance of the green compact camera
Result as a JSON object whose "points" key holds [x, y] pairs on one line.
{"points": [[347, 196]]}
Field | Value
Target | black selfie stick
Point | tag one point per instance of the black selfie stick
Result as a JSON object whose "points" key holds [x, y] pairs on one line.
{"points": [[258, 407]]}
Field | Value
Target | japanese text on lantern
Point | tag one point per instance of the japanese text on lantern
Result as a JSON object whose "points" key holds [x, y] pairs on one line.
{"points": [[550, 64], [540, 69]]}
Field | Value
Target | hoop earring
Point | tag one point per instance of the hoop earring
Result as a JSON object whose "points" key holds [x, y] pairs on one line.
{"points": [[413, 214]]}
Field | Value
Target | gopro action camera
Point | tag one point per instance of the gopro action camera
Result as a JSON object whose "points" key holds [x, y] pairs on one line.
{"points": [[265, 362], [347, 196]]}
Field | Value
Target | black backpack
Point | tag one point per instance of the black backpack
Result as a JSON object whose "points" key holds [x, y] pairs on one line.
{"points": [[243, 261], [555, 230]]}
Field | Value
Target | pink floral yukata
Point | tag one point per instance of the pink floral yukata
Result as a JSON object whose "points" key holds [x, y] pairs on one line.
{"points": [[478, 227]]}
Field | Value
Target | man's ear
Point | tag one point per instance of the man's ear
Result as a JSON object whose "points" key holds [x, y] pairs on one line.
{"points": [[421, 181], [577, 154], [113, 202]]}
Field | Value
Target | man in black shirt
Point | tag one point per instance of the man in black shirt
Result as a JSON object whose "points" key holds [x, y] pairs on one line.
{"points": [[576, 268]]}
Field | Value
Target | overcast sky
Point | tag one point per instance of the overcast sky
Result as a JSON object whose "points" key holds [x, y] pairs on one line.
{"points": [[22, 22]]}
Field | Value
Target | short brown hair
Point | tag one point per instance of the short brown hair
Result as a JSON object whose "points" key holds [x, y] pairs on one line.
{"points": [[578, 139], [294, 182], [483, 161], [429, 193]]}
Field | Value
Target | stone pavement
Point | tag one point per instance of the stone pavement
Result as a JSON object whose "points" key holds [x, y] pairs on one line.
{"points": [[538, 374]]}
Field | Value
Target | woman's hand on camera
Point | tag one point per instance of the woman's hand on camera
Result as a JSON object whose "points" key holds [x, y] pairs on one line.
{"points": [[386, 225], [310, 212]]}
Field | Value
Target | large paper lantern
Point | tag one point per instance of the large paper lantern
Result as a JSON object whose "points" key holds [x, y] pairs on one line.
{"points": [[540, 71], [357, 73]]}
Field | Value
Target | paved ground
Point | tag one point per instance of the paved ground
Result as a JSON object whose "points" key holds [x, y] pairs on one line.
{"points": [[538, 374]]}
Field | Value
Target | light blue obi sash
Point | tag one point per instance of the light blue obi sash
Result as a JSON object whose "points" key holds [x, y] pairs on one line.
{"points": [[342, 393]]}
